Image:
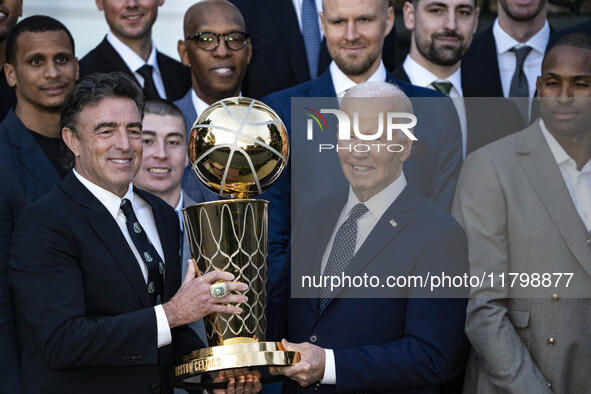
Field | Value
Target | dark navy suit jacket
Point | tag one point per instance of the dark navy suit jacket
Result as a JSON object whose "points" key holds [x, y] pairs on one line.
{"points": [[27, 174], [433, 166], [397, 345], [105, 59], [88, 323]]}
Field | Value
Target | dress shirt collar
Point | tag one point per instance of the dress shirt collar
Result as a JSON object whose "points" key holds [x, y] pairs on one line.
{"points": [[420, 76], [179, 212], [558, 151], [297, 6], [505, 42], [342, 83], [111, 201], [132, 59], [379, 203], [199, 104]]}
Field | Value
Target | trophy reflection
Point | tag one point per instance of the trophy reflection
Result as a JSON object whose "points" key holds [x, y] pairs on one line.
{"points": [[238, 147]]}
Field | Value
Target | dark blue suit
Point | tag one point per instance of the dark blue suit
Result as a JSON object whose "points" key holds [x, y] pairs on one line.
{"points": [[380, 344], [433, 166], [88, 323], [27, 174]]}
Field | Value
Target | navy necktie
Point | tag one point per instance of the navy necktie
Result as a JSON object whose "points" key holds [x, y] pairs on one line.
{"points": [[311, 33], [342, 251], [150, 91], [147, 251]]}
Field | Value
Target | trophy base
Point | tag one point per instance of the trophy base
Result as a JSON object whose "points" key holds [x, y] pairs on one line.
{"points": [[214, 367]]}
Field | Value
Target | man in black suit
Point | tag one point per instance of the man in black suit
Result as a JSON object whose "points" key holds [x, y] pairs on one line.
{"points": [[30, 155], [279, 58], [128, 47], [506, 59], [95, 262], [12, 10]]}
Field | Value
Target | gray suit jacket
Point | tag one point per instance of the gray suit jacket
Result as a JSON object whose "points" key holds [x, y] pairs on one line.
{"points": [[519, 217]]}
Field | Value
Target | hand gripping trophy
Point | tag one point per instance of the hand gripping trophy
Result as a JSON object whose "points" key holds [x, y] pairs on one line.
{"points": [[238, 147]]}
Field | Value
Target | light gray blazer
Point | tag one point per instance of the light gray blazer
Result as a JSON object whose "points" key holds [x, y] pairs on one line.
{"points": [[519, 217]]}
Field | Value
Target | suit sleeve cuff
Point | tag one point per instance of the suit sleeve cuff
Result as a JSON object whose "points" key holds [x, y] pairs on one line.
{"points": [[330, 371], [164, 335]]}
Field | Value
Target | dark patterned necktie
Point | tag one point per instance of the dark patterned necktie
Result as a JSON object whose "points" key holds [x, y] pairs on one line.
{"points": [[311, 34], [147, 251], [342, 251], [442, 87], [150, 91], [519, 86]]}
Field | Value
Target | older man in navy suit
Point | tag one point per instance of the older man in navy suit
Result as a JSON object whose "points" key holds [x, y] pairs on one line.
{"points": [[377, 227], [355, 34]]}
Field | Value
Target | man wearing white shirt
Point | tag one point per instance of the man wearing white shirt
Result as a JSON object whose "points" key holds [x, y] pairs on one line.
{"points": [[525, 203], [128, 47], [506, 59], [353, 340], [106, 255]]}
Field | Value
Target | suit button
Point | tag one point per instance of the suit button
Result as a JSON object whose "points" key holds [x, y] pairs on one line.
{"points": [[155, 388], [313, 339], [551, 341], [555, 297]]}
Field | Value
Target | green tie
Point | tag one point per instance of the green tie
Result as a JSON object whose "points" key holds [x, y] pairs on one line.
{"points": [[442, 87]]}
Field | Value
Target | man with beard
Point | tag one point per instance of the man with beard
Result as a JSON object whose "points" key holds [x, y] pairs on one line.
{"points": [[441, 34], [525, 204], [505, 59]]}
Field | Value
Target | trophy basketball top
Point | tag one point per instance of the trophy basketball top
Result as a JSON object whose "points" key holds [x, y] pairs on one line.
{"points": [[238, 147]]}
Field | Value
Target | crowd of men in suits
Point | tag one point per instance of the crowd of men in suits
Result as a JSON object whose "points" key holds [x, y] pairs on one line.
{"points": [[91, 262]]}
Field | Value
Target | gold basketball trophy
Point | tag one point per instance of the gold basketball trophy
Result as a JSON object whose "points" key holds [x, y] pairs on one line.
{"points": [[238, 147]]}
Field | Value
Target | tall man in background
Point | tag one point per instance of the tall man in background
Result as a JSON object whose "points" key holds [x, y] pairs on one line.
{"points": [[12, 10]]}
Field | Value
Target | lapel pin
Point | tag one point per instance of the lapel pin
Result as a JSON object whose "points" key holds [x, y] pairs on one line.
{"points": [[393, 223]]}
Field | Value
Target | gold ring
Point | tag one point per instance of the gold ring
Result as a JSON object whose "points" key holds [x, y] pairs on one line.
{"points": [[218, 290]]}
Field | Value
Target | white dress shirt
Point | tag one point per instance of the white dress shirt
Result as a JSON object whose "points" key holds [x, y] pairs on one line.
{"points": [[342, 83], [134, 62], [577, 182], [199, 104], [143, 211], [532, 67], [376, 206], [297, 6], [420, 76]]}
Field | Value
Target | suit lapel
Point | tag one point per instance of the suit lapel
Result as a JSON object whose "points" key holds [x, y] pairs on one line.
{"points": [[31, 155], [482, 58], [541, 169], [113, 60]]}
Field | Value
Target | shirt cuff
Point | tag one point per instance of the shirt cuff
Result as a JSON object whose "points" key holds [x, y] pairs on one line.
{"points": [[330, 370], [164, 335]]}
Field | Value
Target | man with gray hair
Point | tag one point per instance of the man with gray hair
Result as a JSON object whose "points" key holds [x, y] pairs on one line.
{"points": [[378, 226]]}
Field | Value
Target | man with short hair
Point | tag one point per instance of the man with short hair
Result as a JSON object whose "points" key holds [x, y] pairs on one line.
{"points": [[525, 203], [42, 69], [217, 62], [163, 163], [505, 59], [355, 34], [357, 338], [106, 256], [12, 10], [128, 47]]}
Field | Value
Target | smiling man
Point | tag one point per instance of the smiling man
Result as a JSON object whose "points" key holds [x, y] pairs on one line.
{"points": [[217, 49], [128, 47], [525, 203], [42, 69], [105, 255]]}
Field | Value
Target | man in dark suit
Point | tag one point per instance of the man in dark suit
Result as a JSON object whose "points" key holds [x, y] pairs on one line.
{"points": [[218, 64], [279, 58], [106, 257], [355, 338], [435, 162], [584, 27], [12, 10], [506, 59], [128, 48], [30, 155]]}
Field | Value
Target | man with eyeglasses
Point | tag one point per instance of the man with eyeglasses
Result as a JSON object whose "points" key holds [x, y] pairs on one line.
{"points": [[217, 50], [128, 47]]}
